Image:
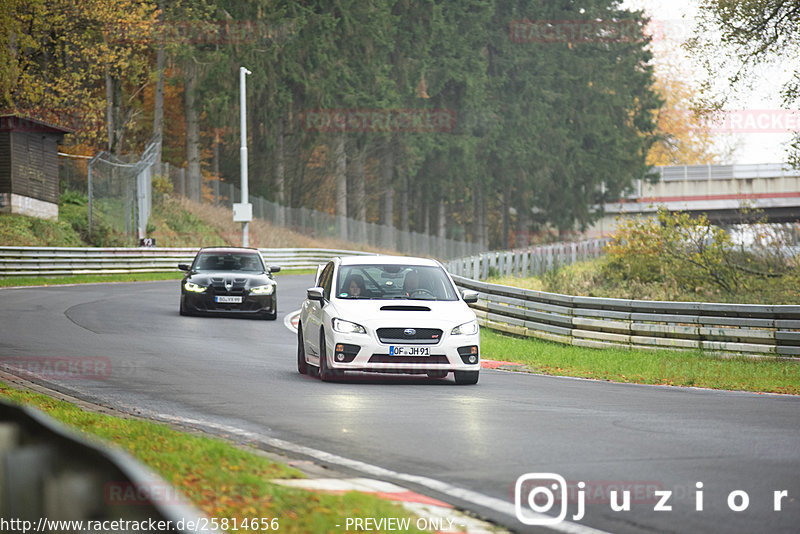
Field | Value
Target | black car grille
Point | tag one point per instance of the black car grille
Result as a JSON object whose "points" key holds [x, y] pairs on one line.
{"points": [[420, 336], [217, 287]]}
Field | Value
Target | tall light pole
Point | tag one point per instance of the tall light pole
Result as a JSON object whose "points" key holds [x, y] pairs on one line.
{"points": [[243, 212]]}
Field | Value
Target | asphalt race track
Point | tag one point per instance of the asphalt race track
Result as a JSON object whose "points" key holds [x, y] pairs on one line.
{"points": [[463, 444]]}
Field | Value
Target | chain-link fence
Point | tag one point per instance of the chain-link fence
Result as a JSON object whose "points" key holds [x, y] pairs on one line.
{"points": [[316, 223], [120, 192], [118, 189]]}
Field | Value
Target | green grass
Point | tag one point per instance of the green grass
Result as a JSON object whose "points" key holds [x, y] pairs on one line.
{"points": [[14, 281], [21, 231], [599, 278], [222, 480], [11, 281], [645, 367]]}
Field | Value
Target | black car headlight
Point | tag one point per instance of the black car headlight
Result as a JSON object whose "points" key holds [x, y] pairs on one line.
{"points": [[268, 289], [194, 288]]}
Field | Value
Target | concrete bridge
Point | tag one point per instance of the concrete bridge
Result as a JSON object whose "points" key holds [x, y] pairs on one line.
{"points": [[719, 191]]}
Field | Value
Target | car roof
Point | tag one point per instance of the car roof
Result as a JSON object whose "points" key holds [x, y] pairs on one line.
{"points": [[231, 250], [388, 260]]}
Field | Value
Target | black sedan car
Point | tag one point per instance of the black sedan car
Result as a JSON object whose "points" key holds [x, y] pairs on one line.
{"points": [[229, 281]]}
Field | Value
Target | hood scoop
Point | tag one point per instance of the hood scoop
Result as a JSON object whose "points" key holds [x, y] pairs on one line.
{"points": [[405, 307]]}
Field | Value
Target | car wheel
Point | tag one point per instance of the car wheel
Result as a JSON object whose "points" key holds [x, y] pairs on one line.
{"points": [[302, 364], [466, 377], [326, 374], [437, 374], [183, 310], [274, 315]]}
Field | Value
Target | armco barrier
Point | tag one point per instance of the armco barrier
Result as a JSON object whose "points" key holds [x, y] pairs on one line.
{"points": [[47, 261], [748, 329], [49, 473]]}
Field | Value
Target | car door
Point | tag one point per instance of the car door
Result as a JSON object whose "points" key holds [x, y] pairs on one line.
{"points": [[314, 314]]}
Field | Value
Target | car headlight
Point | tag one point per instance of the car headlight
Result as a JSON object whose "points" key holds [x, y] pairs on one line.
{"points": [[466, 328], [346, 327], [194, 288], [262, 290]]}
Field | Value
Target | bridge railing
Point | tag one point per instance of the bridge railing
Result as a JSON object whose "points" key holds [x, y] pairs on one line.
{"points": [[49, 261]]}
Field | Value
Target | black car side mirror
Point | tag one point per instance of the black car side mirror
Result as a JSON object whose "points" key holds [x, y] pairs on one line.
{"points": [[470, 297], [274, 269], [315, 293], [183, 266]]}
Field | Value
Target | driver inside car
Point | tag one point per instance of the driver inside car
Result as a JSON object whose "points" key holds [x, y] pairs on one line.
{"points": [[416, 284]]}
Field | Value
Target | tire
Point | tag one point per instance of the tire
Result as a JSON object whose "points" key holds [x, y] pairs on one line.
{"points": [[183, 310], [271, 316], [326, 374], [302, 364], [466, 378], [437, 374]]}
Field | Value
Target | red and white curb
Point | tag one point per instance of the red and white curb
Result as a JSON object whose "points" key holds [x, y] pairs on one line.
{"points": [[291, 319], [431, 514]]}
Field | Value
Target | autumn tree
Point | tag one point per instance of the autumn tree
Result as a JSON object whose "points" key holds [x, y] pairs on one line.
{"points": [[736, 38], [73, 63], [682, 136]]}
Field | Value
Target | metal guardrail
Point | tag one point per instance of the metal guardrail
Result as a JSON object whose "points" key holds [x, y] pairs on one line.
{"points": [[47, 261], [50, 474], [749, 329]]}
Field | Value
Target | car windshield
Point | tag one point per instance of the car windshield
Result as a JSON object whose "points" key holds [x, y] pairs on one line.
{"points": [[228, 261], [389, 282]]}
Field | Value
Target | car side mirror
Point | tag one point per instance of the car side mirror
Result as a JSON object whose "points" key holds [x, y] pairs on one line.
{"points": [[470, 297], [274, 269], [315, 293], [183, 266]]}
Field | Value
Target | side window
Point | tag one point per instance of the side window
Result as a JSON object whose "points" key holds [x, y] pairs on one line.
{"points": [[326, 279]]}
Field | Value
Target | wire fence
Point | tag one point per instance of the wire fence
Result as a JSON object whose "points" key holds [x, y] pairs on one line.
{"points": [[120, 189]]}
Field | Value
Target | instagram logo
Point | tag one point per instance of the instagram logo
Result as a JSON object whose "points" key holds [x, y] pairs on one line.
{"points": [[539, 492]]}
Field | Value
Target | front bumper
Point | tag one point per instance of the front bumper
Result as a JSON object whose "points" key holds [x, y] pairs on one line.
{"points": [[251, 305], [364, 352]]}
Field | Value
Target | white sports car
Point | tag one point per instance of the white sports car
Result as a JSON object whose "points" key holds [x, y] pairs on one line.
{"points": [[388, 314]]}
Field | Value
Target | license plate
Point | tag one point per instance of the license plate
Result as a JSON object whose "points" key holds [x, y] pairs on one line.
{"points": [[400, 350], [228, 300]]}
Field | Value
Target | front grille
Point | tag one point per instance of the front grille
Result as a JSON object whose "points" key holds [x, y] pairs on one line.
{"points": [[426, 360], [217, 286], [421, 336]]}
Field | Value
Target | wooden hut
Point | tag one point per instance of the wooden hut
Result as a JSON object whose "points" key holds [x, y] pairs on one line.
{"points": [[29, 166]]}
